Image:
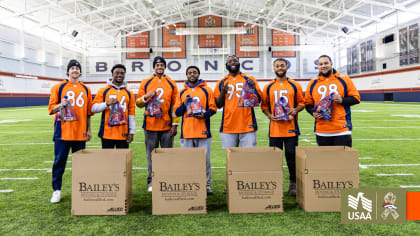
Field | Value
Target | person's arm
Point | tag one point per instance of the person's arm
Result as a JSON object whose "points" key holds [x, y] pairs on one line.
{"points": [[88, 132], [220, 100]]}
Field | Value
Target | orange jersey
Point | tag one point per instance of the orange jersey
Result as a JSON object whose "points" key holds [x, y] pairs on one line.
{"points": [[80, 97], [236, 119], [292, 91], [341, 116], [166, 91], [127, 102], [192, 127]]}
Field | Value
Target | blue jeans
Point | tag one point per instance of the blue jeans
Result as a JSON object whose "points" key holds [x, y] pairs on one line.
{"points": [[61, 152]]}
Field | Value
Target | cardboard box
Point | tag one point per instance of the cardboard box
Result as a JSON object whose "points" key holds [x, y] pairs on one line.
{"points": [[101, 182], [254, 179], [179, 181], [321, 173]]}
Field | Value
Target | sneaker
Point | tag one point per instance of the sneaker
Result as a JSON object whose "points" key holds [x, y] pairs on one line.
{"points": [[149, 189], [56, 197], [209, 192], [292, 189]]}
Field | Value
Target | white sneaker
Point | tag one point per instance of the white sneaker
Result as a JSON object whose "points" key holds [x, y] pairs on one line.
{"points": [[149, 189], [56, 197]]}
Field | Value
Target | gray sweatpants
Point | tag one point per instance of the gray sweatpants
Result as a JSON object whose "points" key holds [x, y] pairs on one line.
{"points": [[244, 139], [203, 143], [152, 140]]}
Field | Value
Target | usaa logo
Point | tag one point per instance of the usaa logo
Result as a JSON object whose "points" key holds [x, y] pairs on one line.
{"points": [[353, 202], [196, 208], [272, 207]]}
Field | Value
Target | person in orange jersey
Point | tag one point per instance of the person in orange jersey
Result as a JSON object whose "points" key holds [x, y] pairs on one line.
{"points": [[195, 126], [158, 129], [239, 124], [118, 136], [71, 133], [284, 132], [337, 131]]}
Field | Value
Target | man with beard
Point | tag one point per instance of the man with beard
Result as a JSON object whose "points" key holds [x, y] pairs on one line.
{"points": [[118, 136], [158, 129], [195, 126], [337, 131], [284, 132], [73, 133], [239, 125]]}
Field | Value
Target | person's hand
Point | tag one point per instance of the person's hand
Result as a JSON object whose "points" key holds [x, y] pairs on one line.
{"points": [[149, 95], [292, 112], [199, 116], [88, 135], [337, 98], [130, 138], [317, 115], [273, 118], [111, 101], [225, 88], [64, 102], [252, 83], [173, 131]]}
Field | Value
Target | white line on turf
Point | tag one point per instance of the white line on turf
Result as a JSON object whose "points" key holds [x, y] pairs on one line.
{"points": [[408, 116], [382, 165], [409, 186], [13, 121], [24, 169], [397, 174], [28, 178], [6, 191], [365, 158]]}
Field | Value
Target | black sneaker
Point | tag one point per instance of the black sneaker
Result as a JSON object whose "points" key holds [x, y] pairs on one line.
{"points": [[209, 192], [292, 189]]}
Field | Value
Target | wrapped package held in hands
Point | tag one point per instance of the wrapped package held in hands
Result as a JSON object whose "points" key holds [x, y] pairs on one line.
{"points": [[281, 108], [68, 113], [325, 107], [194, 107], [154, 107], [248, 97], [117, 115]]}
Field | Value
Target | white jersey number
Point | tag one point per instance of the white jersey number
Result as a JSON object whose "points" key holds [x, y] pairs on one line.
{"points": [[79, 100], [280, 93], [324, 91], [123, 102], [235, 89]]}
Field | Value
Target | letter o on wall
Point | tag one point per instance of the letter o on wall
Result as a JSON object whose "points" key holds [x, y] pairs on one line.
{"points": [[174, 66]]}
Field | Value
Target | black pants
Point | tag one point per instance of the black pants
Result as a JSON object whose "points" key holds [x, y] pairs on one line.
{"points": [[341, 140], [290, 144], [111, 143]]}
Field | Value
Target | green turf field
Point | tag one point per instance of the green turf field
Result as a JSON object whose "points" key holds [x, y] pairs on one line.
{"points": [[384, 133]]}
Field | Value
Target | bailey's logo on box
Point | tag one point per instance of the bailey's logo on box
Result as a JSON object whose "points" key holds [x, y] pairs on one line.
{"points": [[167, 187], [319, 184], [368, 206], [85, 187], [262, 185]]}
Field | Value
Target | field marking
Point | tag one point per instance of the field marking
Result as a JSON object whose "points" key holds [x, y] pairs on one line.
{"points": [[397, 174], [408, 116], [358, 127], [14, 121], [23, 132], [365, 158], [409, 186], [6, 191], [28, 178], [26, 109], [362, 111], [381, 165], [44, 169]]}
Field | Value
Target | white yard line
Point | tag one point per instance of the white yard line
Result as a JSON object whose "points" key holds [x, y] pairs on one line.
{"points": [[32, 131], [14, 121], [25, 169], [28, 178], [397, 174], [381, 165], [409, 186], [365, 158], [6, 191]]}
